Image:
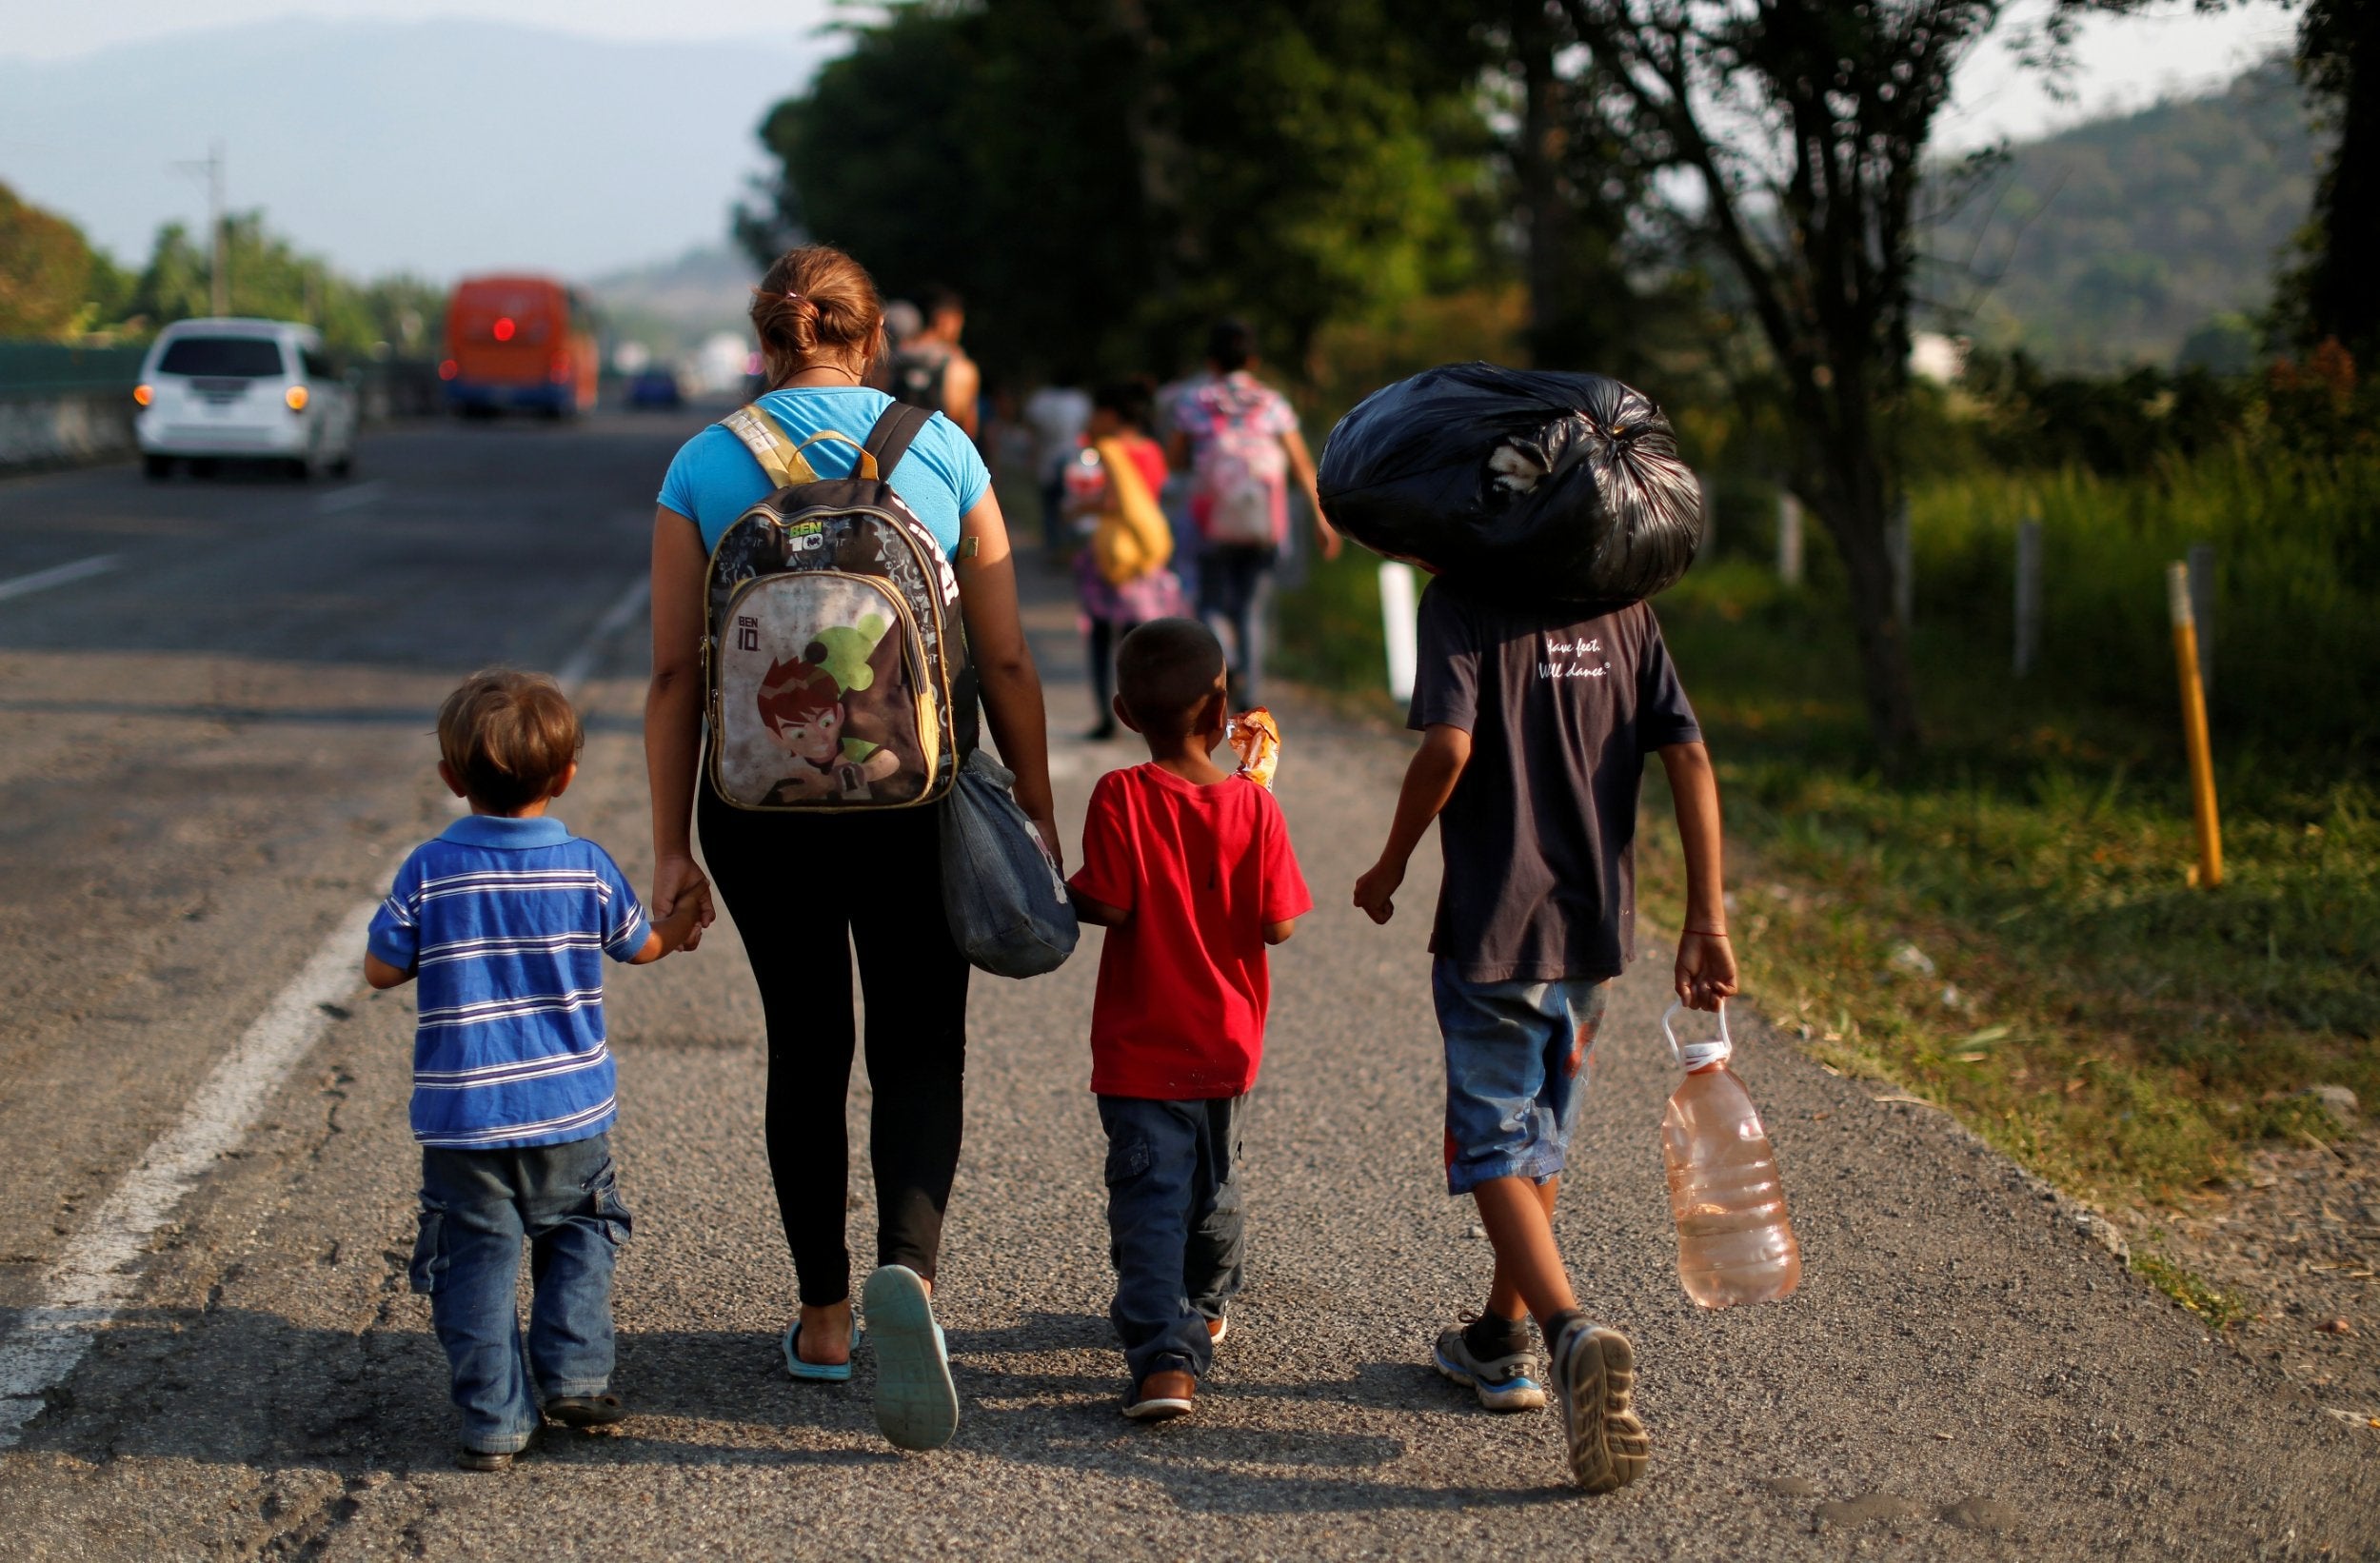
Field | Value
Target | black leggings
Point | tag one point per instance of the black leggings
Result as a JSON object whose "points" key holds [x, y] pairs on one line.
{"points": [[803, 892]]}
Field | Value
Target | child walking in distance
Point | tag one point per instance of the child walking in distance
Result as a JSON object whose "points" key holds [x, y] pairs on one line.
{"points": [[505, 917], [1189, 868], [1535, 728]]}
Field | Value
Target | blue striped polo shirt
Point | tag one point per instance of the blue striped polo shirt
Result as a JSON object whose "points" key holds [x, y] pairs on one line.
{"points": [[505, 922]]}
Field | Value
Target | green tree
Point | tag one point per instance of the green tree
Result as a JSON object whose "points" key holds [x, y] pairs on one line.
{"points": [[270, 278], [1102, 176], [52, 283], [1800, 129], [2338, 58]]}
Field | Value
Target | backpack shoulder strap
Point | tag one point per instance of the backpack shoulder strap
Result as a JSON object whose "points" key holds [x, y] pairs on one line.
{"points": [[894, 433], [769, 444]]}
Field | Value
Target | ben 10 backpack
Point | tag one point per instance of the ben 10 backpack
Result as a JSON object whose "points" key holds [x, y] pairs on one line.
{"points": [[836, 672]]}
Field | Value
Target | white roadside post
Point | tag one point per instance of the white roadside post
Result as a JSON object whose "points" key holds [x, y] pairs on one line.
{"points": [[2028, 594], [1787, 539], [2201, 558], [1398, 621]]}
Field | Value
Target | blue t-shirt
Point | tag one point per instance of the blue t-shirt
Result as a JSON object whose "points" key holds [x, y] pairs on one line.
{"points": [[505, 922], [713, 479]]}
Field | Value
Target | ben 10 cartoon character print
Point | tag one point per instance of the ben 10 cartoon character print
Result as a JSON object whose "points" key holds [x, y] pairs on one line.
{"points": [[817, 705]]}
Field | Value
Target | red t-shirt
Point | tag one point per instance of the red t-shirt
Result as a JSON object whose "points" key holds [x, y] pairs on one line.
{"points": [[1183, 985]]}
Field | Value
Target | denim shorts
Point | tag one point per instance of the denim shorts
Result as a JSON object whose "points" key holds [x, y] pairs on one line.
{"points": [[1517, 1058]]}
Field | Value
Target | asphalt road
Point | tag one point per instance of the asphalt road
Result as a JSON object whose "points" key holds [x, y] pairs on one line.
{"points": [[214, 748]]}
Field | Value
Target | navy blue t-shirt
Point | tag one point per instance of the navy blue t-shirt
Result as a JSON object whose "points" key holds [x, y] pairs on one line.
{"points": [[1541, 874]]}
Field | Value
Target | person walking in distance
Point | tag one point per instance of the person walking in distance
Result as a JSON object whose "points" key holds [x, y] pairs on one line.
{"points": [[1238, 438], [807, 890], [1119, 586], [1056, 413], [931, 371], [1536, 724]]}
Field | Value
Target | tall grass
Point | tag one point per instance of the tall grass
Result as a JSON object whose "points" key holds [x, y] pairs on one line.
{"points": [[2296, 630]]}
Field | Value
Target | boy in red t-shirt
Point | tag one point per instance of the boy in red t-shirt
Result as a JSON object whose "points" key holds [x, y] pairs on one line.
{"points": [[1189, 868]]}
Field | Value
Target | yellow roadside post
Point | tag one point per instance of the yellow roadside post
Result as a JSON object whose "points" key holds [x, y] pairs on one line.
{"points": [[2209, 873]]}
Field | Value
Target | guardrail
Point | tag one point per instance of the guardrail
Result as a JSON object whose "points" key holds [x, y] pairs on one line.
{"points": [[62, 405], [31, 371]]}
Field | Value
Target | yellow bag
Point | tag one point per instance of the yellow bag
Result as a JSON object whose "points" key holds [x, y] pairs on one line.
{"points": [[1132, 539]]}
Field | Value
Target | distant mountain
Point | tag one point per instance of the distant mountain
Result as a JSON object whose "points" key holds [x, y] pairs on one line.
{"points": [[2121, 240], [671, 307], [438, 147]]}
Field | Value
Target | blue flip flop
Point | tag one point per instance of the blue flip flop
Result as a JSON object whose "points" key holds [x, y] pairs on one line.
{"points": [[917, 1405], [818, 1373]]}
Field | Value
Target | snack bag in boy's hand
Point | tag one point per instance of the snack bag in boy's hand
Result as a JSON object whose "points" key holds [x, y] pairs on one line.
{"points": [[1255, 737]]}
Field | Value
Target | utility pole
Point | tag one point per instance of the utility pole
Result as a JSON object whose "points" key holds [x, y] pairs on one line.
{"points": [[219, 269]]}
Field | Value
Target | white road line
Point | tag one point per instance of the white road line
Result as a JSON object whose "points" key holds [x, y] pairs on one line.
{"points": [[580, 664], [94, 1275], [350, 499], [58, 575]]}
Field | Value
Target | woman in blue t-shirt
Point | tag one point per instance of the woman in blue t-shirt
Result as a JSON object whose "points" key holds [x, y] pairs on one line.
{"points": [[805, 890]]}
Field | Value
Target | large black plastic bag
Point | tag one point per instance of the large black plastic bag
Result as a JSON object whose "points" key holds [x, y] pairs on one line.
{"points": [[1535, 484], [1007, 905]]}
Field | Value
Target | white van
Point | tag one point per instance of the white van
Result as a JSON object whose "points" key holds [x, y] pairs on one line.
{"points": [[259, 390]]}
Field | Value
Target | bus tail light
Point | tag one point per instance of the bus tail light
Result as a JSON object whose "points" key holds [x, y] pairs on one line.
{"points": [[448, 369], [558, 370]]}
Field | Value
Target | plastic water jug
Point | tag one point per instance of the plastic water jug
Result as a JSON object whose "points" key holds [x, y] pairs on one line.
{"points": [[1734, 1241]]}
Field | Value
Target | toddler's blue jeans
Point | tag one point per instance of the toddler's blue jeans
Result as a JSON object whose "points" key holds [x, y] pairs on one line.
{"points": [[1174, 1225], [477, 1207]]}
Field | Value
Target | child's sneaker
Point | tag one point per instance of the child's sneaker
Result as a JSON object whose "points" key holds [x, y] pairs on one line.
{"points": [[1162, 1395], [1593, 1370], [1498, 1367]]}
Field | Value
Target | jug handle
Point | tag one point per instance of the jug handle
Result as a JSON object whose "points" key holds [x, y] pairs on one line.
{"points": [[1676, 1052]]}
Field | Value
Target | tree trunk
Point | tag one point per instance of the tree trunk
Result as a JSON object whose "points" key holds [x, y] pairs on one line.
{"points": [[1850, 499], [2340, 298], [1536, 169]]}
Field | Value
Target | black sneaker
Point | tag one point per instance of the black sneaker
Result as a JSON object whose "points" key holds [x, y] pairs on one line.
{"points": [[1594, 1371]]}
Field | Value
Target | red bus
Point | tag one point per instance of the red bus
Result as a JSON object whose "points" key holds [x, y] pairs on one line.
{"points": [[518, 342]]}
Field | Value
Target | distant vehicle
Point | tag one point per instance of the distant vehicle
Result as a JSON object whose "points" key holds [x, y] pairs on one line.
{"points": [[656, 388], [518, 342], [243, 388]]}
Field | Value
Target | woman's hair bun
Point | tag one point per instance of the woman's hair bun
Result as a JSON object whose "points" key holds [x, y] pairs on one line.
{"points": [[815, 301]]}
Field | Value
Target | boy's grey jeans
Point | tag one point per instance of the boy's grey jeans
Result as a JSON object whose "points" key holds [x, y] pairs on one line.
{"points": [[477, 1207], [1174, 1225]]}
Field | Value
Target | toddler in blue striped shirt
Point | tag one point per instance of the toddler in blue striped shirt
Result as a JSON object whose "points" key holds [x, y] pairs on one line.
{"points": [[505, 918]]}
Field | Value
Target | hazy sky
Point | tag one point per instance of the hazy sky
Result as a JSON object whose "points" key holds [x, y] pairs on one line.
{"points": [[2122, 62], [46, 29]]}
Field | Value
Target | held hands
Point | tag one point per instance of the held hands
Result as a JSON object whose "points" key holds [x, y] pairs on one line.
{"points": [[677, 884], [1706, 970], [1376, 890], [1047, 830]]}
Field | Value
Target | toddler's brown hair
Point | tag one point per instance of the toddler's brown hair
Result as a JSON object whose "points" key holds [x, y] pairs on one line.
{"points": [[509, 737]]}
